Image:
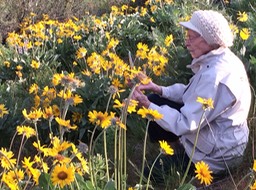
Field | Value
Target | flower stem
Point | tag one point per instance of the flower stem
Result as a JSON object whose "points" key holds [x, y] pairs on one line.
{"points": [[193, 150], [91, 158], [144, 155], [21, 145], [151, 168]]}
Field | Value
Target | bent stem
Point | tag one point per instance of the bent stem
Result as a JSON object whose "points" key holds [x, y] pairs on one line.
{"points": [[12, 167], [152, 169], [144, 153], [93, 180], [193, 150], [19, 153], [105, 142]]}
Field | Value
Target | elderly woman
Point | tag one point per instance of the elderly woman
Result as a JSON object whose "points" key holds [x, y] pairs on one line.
{"points": [[219, 75]]}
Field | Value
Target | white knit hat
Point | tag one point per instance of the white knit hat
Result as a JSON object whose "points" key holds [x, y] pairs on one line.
{"points": [[212, 26]]}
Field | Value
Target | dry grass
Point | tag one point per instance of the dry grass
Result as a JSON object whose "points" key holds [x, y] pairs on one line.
{"points": [[14, 11]]}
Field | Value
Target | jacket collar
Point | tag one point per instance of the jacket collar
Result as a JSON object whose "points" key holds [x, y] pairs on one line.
{"points": [[197, 62]]}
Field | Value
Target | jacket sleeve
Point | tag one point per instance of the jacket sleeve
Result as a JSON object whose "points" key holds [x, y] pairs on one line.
{"points": [[189, 117], [174, 92]]}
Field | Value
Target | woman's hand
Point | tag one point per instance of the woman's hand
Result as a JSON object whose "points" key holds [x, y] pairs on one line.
{"points": [[147, 84], [141, 98]]}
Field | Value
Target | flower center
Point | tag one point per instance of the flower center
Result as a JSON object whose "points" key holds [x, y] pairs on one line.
{"points": [[62, 175]]}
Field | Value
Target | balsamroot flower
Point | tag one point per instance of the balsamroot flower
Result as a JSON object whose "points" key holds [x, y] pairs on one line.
{"points": [[3, 110], [32, 115], [253, 187], [166, 148], [254, 165], [149, 114], [65, 123], [203, 173], [63, 175], [81, 52], [26, 131], [245, 33], [6, 158], [11, 178], [242, 16], [168, 40], [100, 119], [207, 103]]}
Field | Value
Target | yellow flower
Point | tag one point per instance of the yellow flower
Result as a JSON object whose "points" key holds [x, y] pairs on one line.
{"points": [[59, 40], [33, 115], [35, 64], [3, 110], [35, 173], [203, 173], [62, 175], [234, 28], [26, 130], [166, 148], [70, 81], [77, 37], [142, 50], [33, 89], [254, 165], [150, 114], [56, 110], [7, 63], [49, 92], [244, 33], [37, 101], [242, 17], [57, 78], [116, 121], [207, 103], [99, 118], [253, 187], [143, 11], [60, 146], [115, 91], [6, 158], [11, 178], [168, 40], [168, 2], [86, 72], [81, 52], [15, 176], [70, 98], [19, 74], [131, 107], [60, 158], [113, 43], [48, 113], [145, 80], [27, 164], [65, 123], [19, 67]]}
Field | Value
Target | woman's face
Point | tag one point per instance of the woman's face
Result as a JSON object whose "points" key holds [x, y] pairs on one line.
{"points": [[196, 44]]}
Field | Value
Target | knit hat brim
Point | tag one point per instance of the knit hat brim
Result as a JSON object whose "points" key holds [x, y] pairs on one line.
{"points": [[190, 26]]}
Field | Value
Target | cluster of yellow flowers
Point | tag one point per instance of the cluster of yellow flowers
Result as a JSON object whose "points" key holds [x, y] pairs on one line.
{"points": [[62, 159]]}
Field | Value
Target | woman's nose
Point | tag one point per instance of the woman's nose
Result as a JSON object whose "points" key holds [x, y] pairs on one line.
{"points": [[187, 42]]}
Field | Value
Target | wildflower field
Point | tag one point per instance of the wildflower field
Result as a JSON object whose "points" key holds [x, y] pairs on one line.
{"points": [[67, 120]]}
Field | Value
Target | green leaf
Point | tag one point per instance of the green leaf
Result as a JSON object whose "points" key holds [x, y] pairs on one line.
{"points": [[253, 60], [45, 182], [110, 185]]}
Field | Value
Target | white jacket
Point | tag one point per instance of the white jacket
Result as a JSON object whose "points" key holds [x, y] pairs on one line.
{"points": [[219, 75]]}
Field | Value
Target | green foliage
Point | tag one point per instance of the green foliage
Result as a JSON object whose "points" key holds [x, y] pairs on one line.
{"points": [[61, 37]]}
